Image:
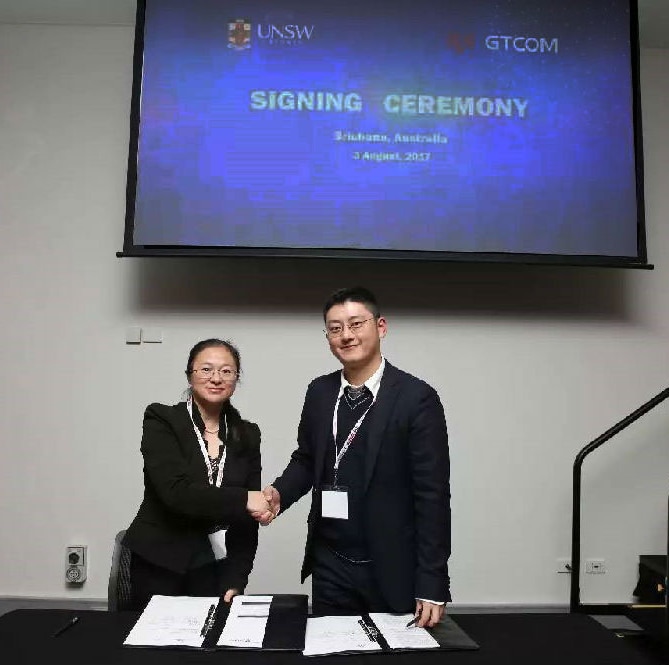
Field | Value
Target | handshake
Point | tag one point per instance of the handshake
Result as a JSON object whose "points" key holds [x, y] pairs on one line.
{"points": [[264, 506]]}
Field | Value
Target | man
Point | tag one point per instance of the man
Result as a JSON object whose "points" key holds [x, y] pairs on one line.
{"points": [[373, 447]]}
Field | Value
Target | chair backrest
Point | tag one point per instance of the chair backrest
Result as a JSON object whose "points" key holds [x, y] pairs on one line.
{"points": [[119, 592]]}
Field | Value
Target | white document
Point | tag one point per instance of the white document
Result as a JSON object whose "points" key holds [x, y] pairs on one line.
{"points": [[218, 546], [173, 621], [336, 634], [246, 623], [394, 628], [334, 504]]}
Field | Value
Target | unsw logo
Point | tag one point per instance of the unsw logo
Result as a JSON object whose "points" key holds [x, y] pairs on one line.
{"points": [[239, 34], [289, 34]]}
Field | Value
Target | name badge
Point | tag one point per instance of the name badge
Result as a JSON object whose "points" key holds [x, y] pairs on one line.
{"points": [[217, 540], [334, 502]]}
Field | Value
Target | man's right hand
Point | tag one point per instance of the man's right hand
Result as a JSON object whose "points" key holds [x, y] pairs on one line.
{"points": [[273, 498], [264, 506]]}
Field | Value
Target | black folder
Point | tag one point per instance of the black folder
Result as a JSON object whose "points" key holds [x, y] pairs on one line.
{"points": [[451, 637], [285, 629], [447, 633]]}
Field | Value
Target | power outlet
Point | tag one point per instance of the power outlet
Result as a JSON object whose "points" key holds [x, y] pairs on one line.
{"points": [[75, 564], [563, 566], [595, 566]]}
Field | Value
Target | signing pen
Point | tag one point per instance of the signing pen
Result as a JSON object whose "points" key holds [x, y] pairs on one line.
{"points": [[67, 626], [412, 622], [208, 621]]}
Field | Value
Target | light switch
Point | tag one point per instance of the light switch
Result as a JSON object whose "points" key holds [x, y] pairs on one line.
{"points": [[152, 335], [133, 335]]}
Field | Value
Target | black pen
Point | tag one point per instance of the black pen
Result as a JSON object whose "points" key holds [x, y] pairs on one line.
{"points": [[412, 622], [367, 630], [208, 621], [67, 626]]}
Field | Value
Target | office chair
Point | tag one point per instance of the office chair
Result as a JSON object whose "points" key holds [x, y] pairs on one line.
{"points": [[119, 596]]}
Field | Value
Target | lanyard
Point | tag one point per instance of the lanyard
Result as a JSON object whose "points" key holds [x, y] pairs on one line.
{"points": [[203, 448], [349, 439]]}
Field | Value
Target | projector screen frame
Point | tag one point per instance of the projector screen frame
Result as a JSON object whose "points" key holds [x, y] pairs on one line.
{"points": [[130, 249]]}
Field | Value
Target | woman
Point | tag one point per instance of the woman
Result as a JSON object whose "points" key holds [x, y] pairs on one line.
{"points": [[193, 534]]}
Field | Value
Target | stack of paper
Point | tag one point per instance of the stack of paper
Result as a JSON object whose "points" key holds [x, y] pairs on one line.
{"points": [[173, 621], [335, 634], [394, 628], [245, 625], [338, 634]]}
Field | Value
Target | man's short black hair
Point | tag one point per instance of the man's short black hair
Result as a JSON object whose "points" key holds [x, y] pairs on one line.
{"points": [[352, 294]]}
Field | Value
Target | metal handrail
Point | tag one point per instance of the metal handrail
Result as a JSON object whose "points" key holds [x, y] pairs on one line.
{"points": [[575, 595]]}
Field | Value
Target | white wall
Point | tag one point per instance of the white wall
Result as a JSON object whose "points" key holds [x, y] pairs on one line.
{"points": [[531, 363]]}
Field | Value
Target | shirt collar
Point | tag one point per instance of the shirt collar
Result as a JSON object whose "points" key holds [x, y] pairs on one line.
{"points": [[373, 382]]}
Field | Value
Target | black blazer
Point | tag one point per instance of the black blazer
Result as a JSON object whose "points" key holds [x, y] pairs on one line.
{"points": [[180, 507], [407, 493]]}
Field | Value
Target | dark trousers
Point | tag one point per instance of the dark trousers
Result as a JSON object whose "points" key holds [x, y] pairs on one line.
{"points": [[147, 579], [343, 587]]}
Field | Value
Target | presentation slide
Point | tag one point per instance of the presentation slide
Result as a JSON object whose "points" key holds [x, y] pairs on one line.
{"points": [[460, 126]]}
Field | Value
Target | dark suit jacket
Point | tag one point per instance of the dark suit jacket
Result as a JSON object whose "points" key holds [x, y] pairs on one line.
{"points": [[180, 507], [406, 484]]}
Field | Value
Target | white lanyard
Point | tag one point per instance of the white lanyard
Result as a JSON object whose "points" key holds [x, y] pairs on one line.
{"points": [[203, 448], [351, 435]]}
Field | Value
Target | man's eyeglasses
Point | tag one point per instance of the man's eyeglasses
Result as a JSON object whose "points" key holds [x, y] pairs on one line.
{"points": [[337, 329], [205, 373]]}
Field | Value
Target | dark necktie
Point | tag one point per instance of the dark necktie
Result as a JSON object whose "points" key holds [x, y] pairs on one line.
{"points": [[352, 405], [357, 397]]}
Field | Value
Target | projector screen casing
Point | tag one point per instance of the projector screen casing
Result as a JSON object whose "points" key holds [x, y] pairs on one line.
{"points": [[492, 131]]}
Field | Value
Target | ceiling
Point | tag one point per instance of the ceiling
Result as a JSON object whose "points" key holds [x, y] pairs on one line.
{"points": [[653, 15]]}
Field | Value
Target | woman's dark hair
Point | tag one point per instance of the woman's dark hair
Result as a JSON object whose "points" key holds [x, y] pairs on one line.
{"points": [[208, 344], [233, 417]]}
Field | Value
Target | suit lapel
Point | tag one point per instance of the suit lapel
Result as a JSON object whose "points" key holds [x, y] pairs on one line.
{"points": [[380, 417], [184, 424], [326, 409], [186, 432]]}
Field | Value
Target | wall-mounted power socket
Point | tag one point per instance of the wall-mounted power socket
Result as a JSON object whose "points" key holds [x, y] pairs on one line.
{"points": [[595, 566], [75, 564]]}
